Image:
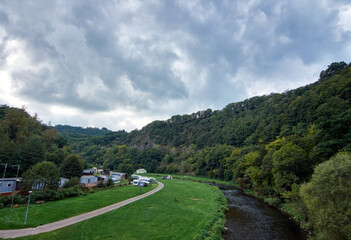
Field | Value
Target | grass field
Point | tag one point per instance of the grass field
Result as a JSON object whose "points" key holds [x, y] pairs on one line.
{"points": [[197, 179], [40, 214], [181, 210]]}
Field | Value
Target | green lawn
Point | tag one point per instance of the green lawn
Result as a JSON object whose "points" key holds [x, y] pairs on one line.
{"points": [[40, 214], [181, 210], [191, 178]]}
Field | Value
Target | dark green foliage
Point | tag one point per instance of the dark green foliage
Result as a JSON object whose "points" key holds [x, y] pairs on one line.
{"points": [[74, 181], [288, 166], [25, 141], [101, 185], [31, 152], [334, 121], [327, 197], [332, 68], [83, 131], [72, 166], [109, 182], [45, 173], [56, 155]]}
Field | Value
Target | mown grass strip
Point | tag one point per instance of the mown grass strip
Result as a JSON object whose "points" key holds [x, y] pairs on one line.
{"points": [[181, 210], [48, 212]]}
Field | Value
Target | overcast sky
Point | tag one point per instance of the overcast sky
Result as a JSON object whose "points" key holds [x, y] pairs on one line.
{"points": [[123, 64]]}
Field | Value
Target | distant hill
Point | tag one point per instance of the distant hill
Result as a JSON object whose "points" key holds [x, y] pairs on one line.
{"points": [[258, 119], [89, 131]]}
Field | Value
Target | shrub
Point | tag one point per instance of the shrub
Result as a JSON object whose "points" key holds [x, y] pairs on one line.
{"points": [[272, 201], [109, 183], [101, 185], [327, 197]]}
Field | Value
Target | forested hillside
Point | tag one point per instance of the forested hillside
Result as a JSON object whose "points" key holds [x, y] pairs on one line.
{"points": [[271, 144], [25, 141], [322, 106], [81, 132]]}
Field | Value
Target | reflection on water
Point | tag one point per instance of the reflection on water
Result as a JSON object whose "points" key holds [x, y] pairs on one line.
{"points": [[249, 218]]}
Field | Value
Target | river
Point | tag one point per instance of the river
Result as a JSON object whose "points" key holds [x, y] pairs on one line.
{"points": [[249, 218]]}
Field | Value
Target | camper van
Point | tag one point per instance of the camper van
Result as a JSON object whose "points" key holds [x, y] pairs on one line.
{"points": [[141, 183]]}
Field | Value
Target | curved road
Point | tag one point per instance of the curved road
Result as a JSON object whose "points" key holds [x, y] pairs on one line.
{"points": [[76, 219]]}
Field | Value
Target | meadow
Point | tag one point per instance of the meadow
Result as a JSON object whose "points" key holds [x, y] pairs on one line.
{"points": [[181, 210], [193, 178], [52, 211]]}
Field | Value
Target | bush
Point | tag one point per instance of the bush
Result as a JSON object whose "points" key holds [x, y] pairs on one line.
{"points": [[5, 200], [272, 201], [109, 183], [74, 181], [327, 197], [101, 185]]}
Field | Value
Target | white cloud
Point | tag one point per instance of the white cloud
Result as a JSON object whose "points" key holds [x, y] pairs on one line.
{"points": [[345, 18], [122, 64]]}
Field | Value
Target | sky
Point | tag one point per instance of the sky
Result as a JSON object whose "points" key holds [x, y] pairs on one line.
{"points": [[123, 64]]}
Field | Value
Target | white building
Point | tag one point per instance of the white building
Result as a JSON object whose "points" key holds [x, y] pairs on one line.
{"points": [[142, 170]]}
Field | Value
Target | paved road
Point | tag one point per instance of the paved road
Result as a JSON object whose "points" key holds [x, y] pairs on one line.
{"points": [[70, 221]]}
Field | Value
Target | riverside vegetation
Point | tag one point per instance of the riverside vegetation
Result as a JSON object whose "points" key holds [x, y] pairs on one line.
{"points": [[277, 146]]}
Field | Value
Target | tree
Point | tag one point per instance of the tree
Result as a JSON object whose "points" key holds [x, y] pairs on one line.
{"points": [[334, 121], [72, 166], [327, 197], [49, 137], [288, 166], [45, 173], [57, 156], [32, 151]]}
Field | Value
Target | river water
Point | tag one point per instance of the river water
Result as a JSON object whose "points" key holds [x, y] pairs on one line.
{"points": [[249, 218]]}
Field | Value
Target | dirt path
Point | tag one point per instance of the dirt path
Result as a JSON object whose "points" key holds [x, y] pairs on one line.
{"points": [[73, 220]]}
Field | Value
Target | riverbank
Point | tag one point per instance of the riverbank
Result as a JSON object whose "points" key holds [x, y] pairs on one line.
{"points": [[293, 210]]}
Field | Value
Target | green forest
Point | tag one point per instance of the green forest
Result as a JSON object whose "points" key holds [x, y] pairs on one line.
{"points": [[291, 149]]}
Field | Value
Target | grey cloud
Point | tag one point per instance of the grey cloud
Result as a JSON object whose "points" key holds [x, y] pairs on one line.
{"points": [[156, 81], [126, 51]]}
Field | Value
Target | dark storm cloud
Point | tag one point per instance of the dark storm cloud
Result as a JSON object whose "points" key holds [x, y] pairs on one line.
{"points": [[165, 57]]}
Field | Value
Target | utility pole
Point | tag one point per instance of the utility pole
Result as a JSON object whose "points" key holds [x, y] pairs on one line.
{"points": [[4, 169], [25, 220], [13, 196]]}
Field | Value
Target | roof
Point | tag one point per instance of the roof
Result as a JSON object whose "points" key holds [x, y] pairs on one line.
{"points": [[88, 177], [117, 173], [10, 179], [102, 176]]}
